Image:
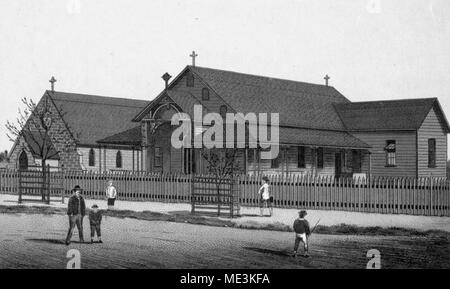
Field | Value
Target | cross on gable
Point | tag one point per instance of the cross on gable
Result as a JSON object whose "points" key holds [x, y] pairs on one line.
{"points": [[326, 79], [193, 55], [52, 81]]}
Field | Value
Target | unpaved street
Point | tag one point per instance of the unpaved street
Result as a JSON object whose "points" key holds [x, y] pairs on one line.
{"points": [[37, 241]]}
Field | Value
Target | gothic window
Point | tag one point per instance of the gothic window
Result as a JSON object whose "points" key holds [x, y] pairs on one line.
{"points": [[223, 111], [119, 160], [23, 161], [92, 158]]}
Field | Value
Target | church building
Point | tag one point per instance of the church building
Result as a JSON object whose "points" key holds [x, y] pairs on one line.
{"points": [[321, 132]]}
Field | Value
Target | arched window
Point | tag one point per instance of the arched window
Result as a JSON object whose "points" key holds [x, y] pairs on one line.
{"points": [[92, 158], [23, 161], [119, 160], [223, 111], [205, 93], [189, 79]]}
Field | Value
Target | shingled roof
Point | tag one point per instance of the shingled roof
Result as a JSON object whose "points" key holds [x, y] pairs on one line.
{"points": [[92, 117], [299, 104], [405, 114]]}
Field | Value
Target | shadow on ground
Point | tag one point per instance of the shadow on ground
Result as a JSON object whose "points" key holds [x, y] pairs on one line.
{"points": [[56, 241], [268, 251]]}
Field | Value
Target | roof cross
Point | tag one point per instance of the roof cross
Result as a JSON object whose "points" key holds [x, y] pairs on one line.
{"points": [[326, 79], [193, 55], [52, 81]]}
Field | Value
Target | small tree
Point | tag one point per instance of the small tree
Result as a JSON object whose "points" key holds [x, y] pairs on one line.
{"points": [[222, 164], [36, 124]]}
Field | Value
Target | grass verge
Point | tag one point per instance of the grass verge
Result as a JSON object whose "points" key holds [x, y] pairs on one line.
{"points": [[341, 229]]}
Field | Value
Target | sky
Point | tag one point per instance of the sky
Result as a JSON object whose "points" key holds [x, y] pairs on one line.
{"points": [[371, 49]]}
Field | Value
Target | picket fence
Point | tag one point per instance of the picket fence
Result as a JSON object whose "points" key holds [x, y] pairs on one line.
{"points": [[416, 196]]}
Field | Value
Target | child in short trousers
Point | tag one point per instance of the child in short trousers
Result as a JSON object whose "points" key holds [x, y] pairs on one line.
{"points": [[95, 219], [302, 232]]}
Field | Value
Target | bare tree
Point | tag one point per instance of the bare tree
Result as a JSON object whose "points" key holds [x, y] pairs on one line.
{"points": [[4, 156], [36, 124], [223, 165]]}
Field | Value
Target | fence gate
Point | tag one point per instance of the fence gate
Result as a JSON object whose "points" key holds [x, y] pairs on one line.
{"points": [[209, 197], [32, 182]]}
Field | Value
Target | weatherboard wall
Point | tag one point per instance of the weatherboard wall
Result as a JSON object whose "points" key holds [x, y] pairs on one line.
{"points": [[432, 128]]}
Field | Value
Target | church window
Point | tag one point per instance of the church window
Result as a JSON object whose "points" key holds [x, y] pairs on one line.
{"points": [[158, 157], [189, 79], [23, 161], [223, 111], [205, 93], [432, 153], [119, 160], [319, 155], [92, 158]]}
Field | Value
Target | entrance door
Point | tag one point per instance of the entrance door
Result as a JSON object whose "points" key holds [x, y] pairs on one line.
{"points": [[338, 164]]}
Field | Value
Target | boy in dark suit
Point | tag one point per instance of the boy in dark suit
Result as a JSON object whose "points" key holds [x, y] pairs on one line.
{"points": [[95, 219]]}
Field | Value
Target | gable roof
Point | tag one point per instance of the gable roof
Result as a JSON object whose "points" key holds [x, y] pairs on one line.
{"points": [[404, 114], [299, 104], [92, 117]]}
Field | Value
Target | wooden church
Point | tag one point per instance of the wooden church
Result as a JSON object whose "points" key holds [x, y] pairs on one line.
{"points": [[321, 132]]}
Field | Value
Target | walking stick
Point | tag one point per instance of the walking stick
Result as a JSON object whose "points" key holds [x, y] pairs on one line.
{"points": [[315, 226]]}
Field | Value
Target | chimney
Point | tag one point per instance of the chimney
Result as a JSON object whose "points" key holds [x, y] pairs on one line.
{"points": [[166, 78]]}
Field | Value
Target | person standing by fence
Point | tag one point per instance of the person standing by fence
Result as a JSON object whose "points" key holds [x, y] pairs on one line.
{"points": [[264, 197], [111, 195], [76, 210]]}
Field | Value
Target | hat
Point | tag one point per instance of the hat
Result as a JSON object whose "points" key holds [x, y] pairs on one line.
{"points": [[265, 178], [302, 213], [94, 206], [77, 187]]}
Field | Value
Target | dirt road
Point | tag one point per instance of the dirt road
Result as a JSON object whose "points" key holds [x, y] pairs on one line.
{"points": [[37, 241]]}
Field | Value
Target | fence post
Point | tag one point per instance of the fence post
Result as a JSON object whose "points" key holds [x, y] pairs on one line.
{"points": [[20, 186], [192, 194], [48, 184], [62, 183], [431, 211]]}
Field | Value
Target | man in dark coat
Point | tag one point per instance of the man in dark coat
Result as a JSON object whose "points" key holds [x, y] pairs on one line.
{"points": [[76, 211]]}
